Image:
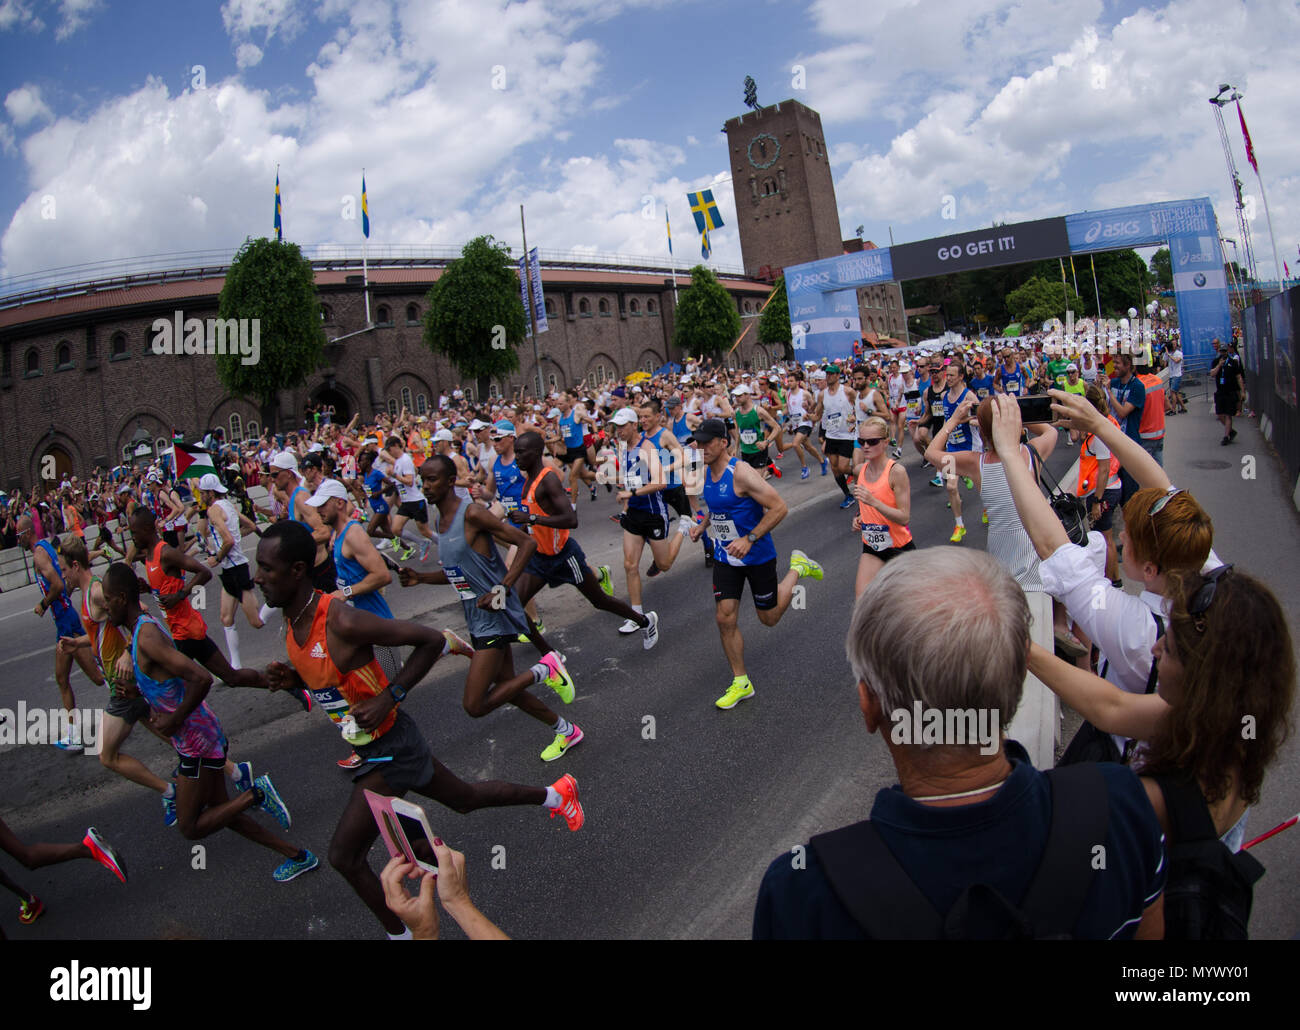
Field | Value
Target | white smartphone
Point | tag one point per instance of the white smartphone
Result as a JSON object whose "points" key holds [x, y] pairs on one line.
{"points": [[402, 825]]}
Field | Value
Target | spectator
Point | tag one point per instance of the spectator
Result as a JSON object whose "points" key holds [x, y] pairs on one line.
{"points": [[1127, 399], [1227, 375], [419, 913], [947, 631]]}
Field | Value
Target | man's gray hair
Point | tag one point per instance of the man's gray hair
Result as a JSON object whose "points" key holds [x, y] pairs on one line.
{"points": [[943, 626]]}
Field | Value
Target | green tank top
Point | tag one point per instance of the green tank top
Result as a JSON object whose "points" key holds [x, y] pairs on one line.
{"points": [[750, 427]]}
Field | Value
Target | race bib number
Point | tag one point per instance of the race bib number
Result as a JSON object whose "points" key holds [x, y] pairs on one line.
{"points": [[876, 537], [749, 437], [834, 419], [632, 481], [723, 529], [457, 579], [936, 409], [509, 503]]}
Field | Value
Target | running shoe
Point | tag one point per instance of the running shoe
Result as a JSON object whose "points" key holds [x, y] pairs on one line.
{"points": [[985, 518], [771, 467], [561, 744], [606, 580], [740, 690], [1223, 443], [804, 565], [291, 868], [567, 787], [616, 517], [896, 454], [169, 810], [651, 631], [968, 482], [593, 491], [958, 535], [382, 544], [424, 550], [848, 502], [685, 524], [628, 628], [1232, 435], [353, 761], [243, 778], [303, 697], [925, 464], [69, 742], [459, 645], [653, 570], [559, 679], [937, 481], [803, 472], [402, 551], [30, 911], [271, 803], [105, 854], [826, 466]]}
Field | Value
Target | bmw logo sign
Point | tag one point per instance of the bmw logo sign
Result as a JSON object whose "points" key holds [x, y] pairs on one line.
{"points": [[1199, 279]]}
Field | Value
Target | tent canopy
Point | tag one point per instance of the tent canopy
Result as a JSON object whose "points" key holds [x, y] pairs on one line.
{"points": [[670, 369]]}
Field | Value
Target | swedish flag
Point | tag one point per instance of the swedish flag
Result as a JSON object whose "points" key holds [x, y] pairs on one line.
{"points": [[669, 226], [278, 233], [705, 210], [365, 209], [706, 251]]}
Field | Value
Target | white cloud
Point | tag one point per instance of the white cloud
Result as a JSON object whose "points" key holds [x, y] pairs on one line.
{"points": [[7, 140], [25, 105], [74, 14], [242, 17], [19, 14], [248, 55]]}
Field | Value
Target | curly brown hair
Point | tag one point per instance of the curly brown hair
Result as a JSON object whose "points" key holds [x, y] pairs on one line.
{"points": [[1238, 686]]}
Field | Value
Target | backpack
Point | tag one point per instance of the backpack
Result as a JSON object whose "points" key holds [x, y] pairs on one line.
{"points": [[1209, 888], [881, 897]]}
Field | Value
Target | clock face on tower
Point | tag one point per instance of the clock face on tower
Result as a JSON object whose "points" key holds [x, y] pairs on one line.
{"points": [[764, 150]]}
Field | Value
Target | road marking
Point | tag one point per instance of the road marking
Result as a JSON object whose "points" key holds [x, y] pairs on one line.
{"points": [[29, 654], [16, 614]]}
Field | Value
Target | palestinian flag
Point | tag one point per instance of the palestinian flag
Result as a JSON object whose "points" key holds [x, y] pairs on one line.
{"points": [[192, 462]]}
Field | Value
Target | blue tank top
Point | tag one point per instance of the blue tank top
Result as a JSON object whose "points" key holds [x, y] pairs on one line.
{"points": [[572, 430], [63, 603], [375, 481], [1012, 382], [636, 475], [959, 439], [293, 505], [732, 517], [510, 483], [982, 385], [349, 572], [679, 429]]}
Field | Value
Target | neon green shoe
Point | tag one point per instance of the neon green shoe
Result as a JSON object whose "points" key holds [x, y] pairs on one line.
{"points": [[606, 580], [804, 565], [561, 744], [740, 690], [524, 638], [559, 679]]}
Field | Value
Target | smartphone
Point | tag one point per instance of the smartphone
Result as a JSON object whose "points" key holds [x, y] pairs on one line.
{"points": [[404, 827], [1037, 408], [390, 563]]}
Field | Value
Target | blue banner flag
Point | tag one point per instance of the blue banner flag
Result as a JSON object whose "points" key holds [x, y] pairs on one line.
{"points": [[365, 209], [705, 210], [669, 226], [278, 234], [705, 250]]}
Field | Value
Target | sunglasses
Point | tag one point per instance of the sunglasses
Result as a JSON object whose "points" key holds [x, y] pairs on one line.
{"points": [[873, 442], [1156, 509], [1204, 597]]}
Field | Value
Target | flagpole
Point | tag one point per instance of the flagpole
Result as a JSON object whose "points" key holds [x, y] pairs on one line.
{"points": [[365, 242], [530, 311], [1095, 288], [1277, 262], [672, 260]]}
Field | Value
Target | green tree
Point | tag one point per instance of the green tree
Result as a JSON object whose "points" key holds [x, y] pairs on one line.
{"points": [[707, 320], [1041, 299], [475, 317], [272, 282], [774, 322], [1162, 270]]}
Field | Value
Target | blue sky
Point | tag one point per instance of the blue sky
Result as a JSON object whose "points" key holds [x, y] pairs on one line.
{"points": [[1015, 110]]}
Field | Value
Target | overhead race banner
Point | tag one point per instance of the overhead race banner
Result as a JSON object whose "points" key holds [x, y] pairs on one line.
{"points": [[1001, 245], [1189, 227]]}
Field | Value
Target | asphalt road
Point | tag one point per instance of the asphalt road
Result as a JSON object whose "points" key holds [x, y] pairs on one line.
{"points": [[681, 821]]}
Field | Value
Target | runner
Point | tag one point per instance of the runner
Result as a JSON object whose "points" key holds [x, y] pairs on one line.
{"points": [[55, 597], [898, 404], [412, 504], [37, 856], [330, 648], [559, 560], [324, 574], [884, 497], [125, 708], [743, 510], [750, 420], [226, 526], [374, 475], [1011, 378], [175, 688], [835, 413], [468, 560], [503, 490], [672, 460], [958, 438], [573, 416]]}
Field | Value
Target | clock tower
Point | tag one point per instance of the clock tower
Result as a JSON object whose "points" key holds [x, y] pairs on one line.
{"points": [[781, 175]]}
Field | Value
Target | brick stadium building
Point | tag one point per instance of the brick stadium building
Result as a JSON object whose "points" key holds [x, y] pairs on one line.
{"points": [[79, 380]]}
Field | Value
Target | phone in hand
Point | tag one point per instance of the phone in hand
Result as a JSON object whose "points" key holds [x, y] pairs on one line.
{"points": [[1035, 408], [404, 828]]}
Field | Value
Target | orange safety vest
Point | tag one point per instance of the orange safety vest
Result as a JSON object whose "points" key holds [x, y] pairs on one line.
{"points": [[1152, 424], [1088, 465]]}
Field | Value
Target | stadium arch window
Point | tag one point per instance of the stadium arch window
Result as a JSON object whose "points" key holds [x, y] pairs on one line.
{"points": [[550, 308], [634, 307], [326, 315], [421, 404], [253, 432], [160, 445], [63, 357], [493, 389], [604, 308], [406, 398], [412, 314], [117, 348], [648, 365], [383, 316], [651, 308], [32, 363], [601, 372], [584, 308], [552, 382], [392, 407], [469, 393], [236, 428]]}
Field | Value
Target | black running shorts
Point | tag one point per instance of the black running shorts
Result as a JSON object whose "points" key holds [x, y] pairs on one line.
{"points": [[729, 582]]}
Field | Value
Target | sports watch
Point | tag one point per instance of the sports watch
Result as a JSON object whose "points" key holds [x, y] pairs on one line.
{"points": [[398, 692], [751, 538]]}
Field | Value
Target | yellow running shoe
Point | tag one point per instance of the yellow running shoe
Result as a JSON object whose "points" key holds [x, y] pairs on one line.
{"points": [[561, 744], [958, 535], [459, 645], [558, 678], [606, 581], [740, 690], [804, 565]]}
